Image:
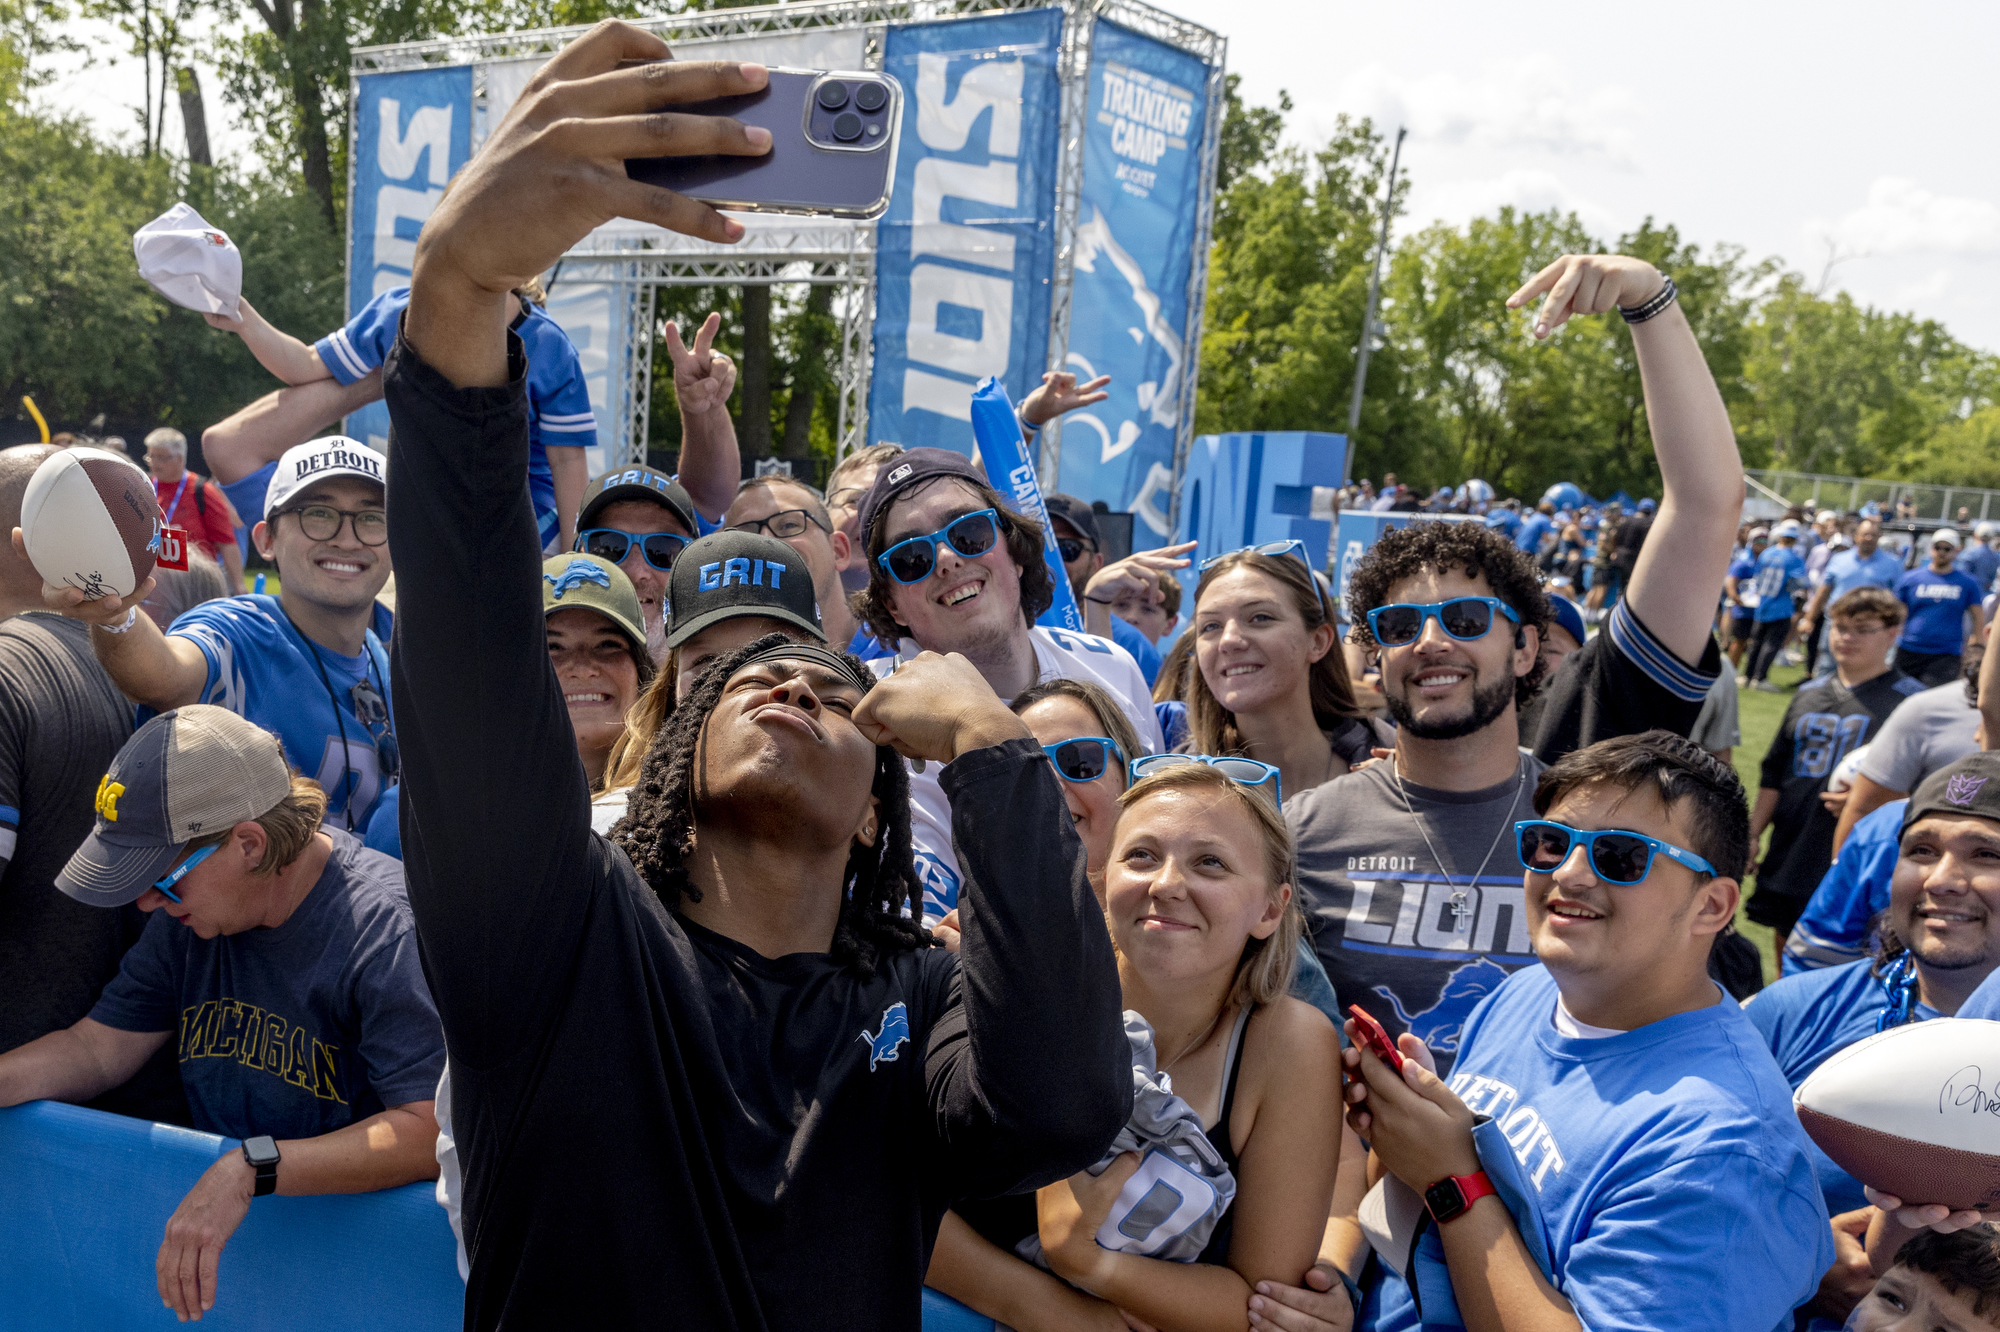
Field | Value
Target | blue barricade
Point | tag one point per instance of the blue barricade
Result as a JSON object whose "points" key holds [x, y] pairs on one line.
{"points": [[85, 1197]]}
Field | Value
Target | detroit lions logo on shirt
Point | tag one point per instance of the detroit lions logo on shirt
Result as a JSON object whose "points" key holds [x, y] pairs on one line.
{"points": [[1439, 1025], [883, 1045], [576, 575]]}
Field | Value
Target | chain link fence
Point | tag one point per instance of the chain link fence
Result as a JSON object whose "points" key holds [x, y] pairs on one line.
{"points": [[1892, 499]]}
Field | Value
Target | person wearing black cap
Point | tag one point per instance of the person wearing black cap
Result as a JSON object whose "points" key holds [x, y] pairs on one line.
{"points": [[953, 569], [642, 1025], [282, 955], [1936, 946], [640, 519], [794, 512], [1098, 588]]}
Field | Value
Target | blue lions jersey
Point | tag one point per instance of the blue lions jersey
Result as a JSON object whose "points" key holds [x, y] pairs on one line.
{"points": [[262, 669], [559, 411], [1835, 926]]}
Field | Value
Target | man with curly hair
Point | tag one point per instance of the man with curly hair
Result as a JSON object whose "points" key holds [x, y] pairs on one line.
{"points": [[1407, 869], [951, 568], [712, 1075]]}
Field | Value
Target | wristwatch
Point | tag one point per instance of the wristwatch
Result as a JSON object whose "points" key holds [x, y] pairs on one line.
{"points": [[1452, 1196], [262, 1154]]}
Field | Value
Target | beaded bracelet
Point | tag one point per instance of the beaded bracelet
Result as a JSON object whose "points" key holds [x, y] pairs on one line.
{"points": [[1639, 314]]}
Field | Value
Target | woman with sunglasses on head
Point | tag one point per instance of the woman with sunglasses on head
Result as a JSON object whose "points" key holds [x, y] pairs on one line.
{"points": [[1197, 893], [1270, 681]]}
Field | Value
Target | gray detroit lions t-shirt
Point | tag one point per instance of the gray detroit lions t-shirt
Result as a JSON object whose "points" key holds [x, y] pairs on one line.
{"points": [[1380, 910]]}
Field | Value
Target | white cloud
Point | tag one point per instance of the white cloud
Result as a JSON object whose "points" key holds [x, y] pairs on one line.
{"points": [[1529, 106], [1901, 217], [1527, 191]]}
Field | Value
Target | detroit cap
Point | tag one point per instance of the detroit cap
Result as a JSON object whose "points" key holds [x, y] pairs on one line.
{"points": [[636, 483], [727, 574], [185, 774], [189, 262], [317, 459], [1963, 789], [912, 467], [588, 582]]}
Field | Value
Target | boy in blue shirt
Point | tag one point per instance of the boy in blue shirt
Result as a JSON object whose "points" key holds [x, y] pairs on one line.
{"points": [[1939, 940], [1940, 597], [1781, 571], [1658, 1176]]}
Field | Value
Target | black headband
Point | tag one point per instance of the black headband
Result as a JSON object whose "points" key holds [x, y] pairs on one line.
{"points": [[795, 651]]}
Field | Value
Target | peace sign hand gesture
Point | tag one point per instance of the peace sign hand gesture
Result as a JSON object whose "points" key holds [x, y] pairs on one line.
{"points": [[702, 378], [1584, 284]]}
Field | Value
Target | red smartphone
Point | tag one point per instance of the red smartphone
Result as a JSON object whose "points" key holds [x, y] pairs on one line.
{"points": [[1374, 1039]]}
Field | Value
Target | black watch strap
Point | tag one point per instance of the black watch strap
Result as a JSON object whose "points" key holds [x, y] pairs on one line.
{"points": [[261, 1153]]}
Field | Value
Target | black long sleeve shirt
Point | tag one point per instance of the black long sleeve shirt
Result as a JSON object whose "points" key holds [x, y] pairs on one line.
{"points": [[658, 1126]]}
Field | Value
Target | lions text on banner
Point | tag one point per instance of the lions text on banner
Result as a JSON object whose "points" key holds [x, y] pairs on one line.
{"points": [[412, 131], [965, 251], [1135, 234]]}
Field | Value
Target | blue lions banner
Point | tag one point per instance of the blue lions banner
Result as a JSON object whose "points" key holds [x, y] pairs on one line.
{"points": [[965, 251], [1142, 157], [411, 132]]}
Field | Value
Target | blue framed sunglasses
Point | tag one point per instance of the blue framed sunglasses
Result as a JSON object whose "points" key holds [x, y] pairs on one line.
{"points": [[610, 543], [1278, 550], [179, 872], [1616, 856], [969, 535], [1463, 618], [1244, 771], [1084, 758]]}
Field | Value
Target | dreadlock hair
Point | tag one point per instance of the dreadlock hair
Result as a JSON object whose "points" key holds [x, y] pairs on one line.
{"points": [[881, 902], [1440, 548]]}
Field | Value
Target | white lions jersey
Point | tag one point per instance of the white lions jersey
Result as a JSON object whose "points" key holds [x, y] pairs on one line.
{"points": [[1060, 654]]}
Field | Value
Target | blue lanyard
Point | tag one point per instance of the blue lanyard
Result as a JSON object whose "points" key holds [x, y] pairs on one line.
{"points": [[1899, 989], [175, 507]]}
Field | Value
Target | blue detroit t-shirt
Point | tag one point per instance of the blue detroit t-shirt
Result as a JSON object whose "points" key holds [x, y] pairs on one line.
{"points": [[299, 1030], [1674, 1183], [1780, 571], [1743, 573], [1938, 603], [263, 670], [1805, 1019], [1834, 927], [559, 412], [1983, 1002]]}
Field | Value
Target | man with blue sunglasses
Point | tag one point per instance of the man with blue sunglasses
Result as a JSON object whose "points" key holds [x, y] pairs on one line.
{"points": [[953, 569], [1614, 1091], [640, 519]]}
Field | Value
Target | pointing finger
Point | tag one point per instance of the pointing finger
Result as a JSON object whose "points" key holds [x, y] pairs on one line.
{"points": [[1535, 286]]}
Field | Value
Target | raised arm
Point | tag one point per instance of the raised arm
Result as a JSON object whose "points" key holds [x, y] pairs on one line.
{"points": [[495, 805], [147, 665], [1686, 556], [291, 360], [242, 442], [711, 463]]}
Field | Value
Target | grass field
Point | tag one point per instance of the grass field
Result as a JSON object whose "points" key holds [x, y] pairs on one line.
{"points": [[1758, 715]]}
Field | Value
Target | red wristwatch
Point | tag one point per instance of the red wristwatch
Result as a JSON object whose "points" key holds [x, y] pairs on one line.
{"points": [[1452, 1196]]}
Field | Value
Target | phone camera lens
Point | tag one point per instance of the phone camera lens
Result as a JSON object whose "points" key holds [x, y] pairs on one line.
{"points": [[871, 97], [833, 95], [847, 127]]}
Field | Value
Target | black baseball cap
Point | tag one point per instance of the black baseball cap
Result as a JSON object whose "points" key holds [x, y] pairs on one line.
{"points": [[727, 574], [636, 483], [1964, 788], [909, 468], [1077, 513]]}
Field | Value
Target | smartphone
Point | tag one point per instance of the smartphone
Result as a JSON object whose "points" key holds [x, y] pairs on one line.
{"points": [[1374, 1039], [833, 148]]}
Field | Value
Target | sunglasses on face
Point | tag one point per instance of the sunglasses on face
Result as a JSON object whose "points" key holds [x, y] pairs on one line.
{"points": [[970, 536], [790, 523], [1615, 856], [321, 522], [179, 872], [1074, 548], [1246, 772], [1463, 618], [609, 543], [1084, 758], [373, 713]]}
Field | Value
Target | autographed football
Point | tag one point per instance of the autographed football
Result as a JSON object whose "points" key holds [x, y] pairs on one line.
{"points": [[91, 521], [1914, 1111]]}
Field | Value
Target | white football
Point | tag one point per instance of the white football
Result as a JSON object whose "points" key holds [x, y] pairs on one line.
{"points": [[91, 521], [1914, 1111]]}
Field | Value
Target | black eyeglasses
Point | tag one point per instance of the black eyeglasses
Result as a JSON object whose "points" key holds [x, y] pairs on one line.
{"points": [[372, 711], [1084, 758], [322, 522], [1463, 618], [971, 536], [1623, 858], [784, 525], [609, 543], [1073, 548]]}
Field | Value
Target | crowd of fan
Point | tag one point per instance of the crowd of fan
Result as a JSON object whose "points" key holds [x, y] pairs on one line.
{"points": [[571, 802]]}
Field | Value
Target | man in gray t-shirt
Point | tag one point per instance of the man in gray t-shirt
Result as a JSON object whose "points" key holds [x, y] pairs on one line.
{"points": [[1930, 730]]}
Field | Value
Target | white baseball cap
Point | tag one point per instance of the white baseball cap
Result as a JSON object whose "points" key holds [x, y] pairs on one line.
{"points": [[189, 262], [1789, 528], [1946, 536], [316, 460]]}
